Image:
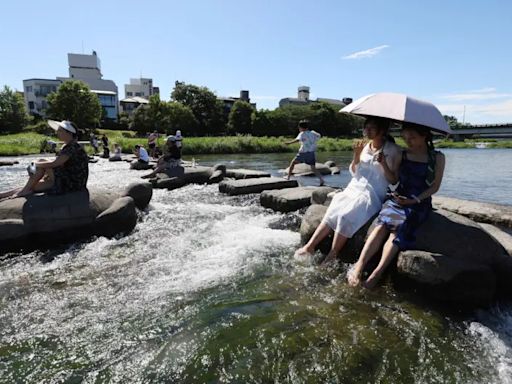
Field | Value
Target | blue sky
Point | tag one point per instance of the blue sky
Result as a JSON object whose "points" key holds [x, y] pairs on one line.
{"points": [[456, 54]]}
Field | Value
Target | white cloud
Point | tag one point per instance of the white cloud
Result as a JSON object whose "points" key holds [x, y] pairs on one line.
{"points": [[478, 94], [366, 53], [480, 113]]}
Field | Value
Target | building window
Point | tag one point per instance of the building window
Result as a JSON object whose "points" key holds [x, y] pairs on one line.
{"points": [[138, 93], [30, 104], [129, 93], [28, 89]]}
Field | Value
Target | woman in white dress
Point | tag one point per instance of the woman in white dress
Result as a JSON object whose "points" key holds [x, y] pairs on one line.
{"points": [[374, 166]]}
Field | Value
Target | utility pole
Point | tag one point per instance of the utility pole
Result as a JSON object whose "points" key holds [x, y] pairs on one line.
{"points": [[464, 116]]}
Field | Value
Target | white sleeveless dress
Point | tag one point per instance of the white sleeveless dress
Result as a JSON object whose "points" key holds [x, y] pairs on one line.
{"points": [[363, 196]]}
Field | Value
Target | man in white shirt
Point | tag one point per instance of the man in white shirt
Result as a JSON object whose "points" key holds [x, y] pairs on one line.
{"points": [[142, 154], [306, 154]]}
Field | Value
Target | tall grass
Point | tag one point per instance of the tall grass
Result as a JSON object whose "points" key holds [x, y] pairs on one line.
{"points": [[29, 143]]}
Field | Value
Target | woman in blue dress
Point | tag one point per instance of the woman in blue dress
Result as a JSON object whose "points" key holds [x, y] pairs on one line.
{"points": [[420, 175]]}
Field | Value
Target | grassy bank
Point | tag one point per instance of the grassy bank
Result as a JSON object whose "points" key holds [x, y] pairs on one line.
{"points": [[30, 143]]}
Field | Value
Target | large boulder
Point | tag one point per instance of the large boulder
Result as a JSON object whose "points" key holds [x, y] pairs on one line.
{"points": [[312, 219], [480, 212], [42, 221], [288, 199], [246, 186], [140, 165], [445, 278], [320, 195], [465, 247]]}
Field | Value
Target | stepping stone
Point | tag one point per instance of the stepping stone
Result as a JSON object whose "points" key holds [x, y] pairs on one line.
{"points": [[241, 173], [287, 200], [3, 163], [246, 186]]}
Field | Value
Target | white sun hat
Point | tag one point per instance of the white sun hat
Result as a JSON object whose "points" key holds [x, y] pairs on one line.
{"points": [[64, 124]]}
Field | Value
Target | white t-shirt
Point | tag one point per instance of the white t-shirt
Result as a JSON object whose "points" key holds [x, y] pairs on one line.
{"points": [[308, 141], [143, 155]]}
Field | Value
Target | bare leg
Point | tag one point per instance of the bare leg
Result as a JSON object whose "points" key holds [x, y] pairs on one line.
{"points": [[371, 246], [290, 168], [337, 244], [388, 254], [321, 232], [9, 193], [317, 174], [158, 169]]}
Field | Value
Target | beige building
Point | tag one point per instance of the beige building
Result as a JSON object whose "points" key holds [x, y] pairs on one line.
{"points": [[303, 99], [142, 87], [35, 92]]}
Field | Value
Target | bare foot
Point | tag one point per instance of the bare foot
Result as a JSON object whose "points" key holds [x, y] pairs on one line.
{"points": [[371, 282], [329, 259], [354, 276]]}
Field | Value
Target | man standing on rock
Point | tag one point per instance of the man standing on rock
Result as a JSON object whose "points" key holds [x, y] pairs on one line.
{"points": [[306, 154]]}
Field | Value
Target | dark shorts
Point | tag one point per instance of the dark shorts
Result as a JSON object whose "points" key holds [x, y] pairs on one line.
{"points": [[152, 145], [306, 157], [142, 161]]}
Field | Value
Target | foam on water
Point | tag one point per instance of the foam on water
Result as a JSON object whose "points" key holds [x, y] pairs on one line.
{"points": [[199, 266]]}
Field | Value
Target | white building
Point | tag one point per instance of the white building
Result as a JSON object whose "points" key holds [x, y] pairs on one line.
{"points": [[35, 92], [86, 68], [303, 99], [142, 87]]}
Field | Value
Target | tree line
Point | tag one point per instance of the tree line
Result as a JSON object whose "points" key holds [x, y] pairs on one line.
{"points": [[194, 110]]}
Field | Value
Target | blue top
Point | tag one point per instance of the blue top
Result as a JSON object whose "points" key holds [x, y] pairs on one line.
{"points": [[412, 178]]}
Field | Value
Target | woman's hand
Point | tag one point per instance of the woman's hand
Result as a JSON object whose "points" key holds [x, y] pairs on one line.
{"points": [[402, 200], [358, 146]]}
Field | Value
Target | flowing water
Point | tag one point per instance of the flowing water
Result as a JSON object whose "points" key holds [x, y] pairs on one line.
{"points": [[206, 290]]}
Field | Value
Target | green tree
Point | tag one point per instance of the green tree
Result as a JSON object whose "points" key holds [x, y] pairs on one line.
{"points": [[13, 115], [178, 116], [74, 101], [240, 117], [208, 111], [452, 122]]}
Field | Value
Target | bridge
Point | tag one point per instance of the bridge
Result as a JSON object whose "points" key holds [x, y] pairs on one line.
{"points": [[495, 131]]}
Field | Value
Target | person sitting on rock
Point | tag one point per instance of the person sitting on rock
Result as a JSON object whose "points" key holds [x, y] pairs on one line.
{"points": [[307, 140], [170, 162], [420, 176], [67, 173], [374, 166], [141, 154], [117, 153]]}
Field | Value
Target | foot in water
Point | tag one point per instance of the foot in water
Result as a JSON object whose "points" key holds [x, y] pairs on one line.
{"points": [[371, 282], [354, 276]]}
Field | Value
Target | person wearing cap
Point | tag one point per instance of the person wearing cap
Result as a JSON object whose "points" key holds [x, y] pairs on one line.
{"points": [[179, 139], [67, 173], [170, 162], [307, 140]]}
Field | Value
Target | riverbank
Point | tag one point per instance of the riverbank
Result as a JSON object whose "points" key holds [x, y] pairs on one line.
{"points": [[27, 143]]}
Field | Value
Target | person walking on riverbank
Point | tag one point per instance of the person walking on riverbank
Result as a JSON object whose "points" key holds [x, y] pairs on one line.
{"points": [[374, 166], [420, 175], [67, 173], [307, 139]]}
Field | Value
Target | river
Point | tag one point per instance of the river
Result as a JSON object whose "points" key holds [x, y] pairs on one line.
{"points": [[206, 290]]}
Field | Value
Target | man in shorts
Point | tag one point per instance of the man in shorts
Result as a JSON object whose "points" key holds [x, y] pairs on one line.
{"points": [[306, 154]]}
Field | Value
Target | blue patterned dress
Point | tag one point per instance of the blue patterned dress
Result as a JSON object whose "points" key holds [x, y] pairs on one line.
{"points": [[405, 220]]}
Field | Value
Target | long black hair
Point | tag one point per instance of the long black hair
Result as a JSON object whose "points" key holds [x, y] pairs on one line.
{"points": [[431, 150], [382, 125]]}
